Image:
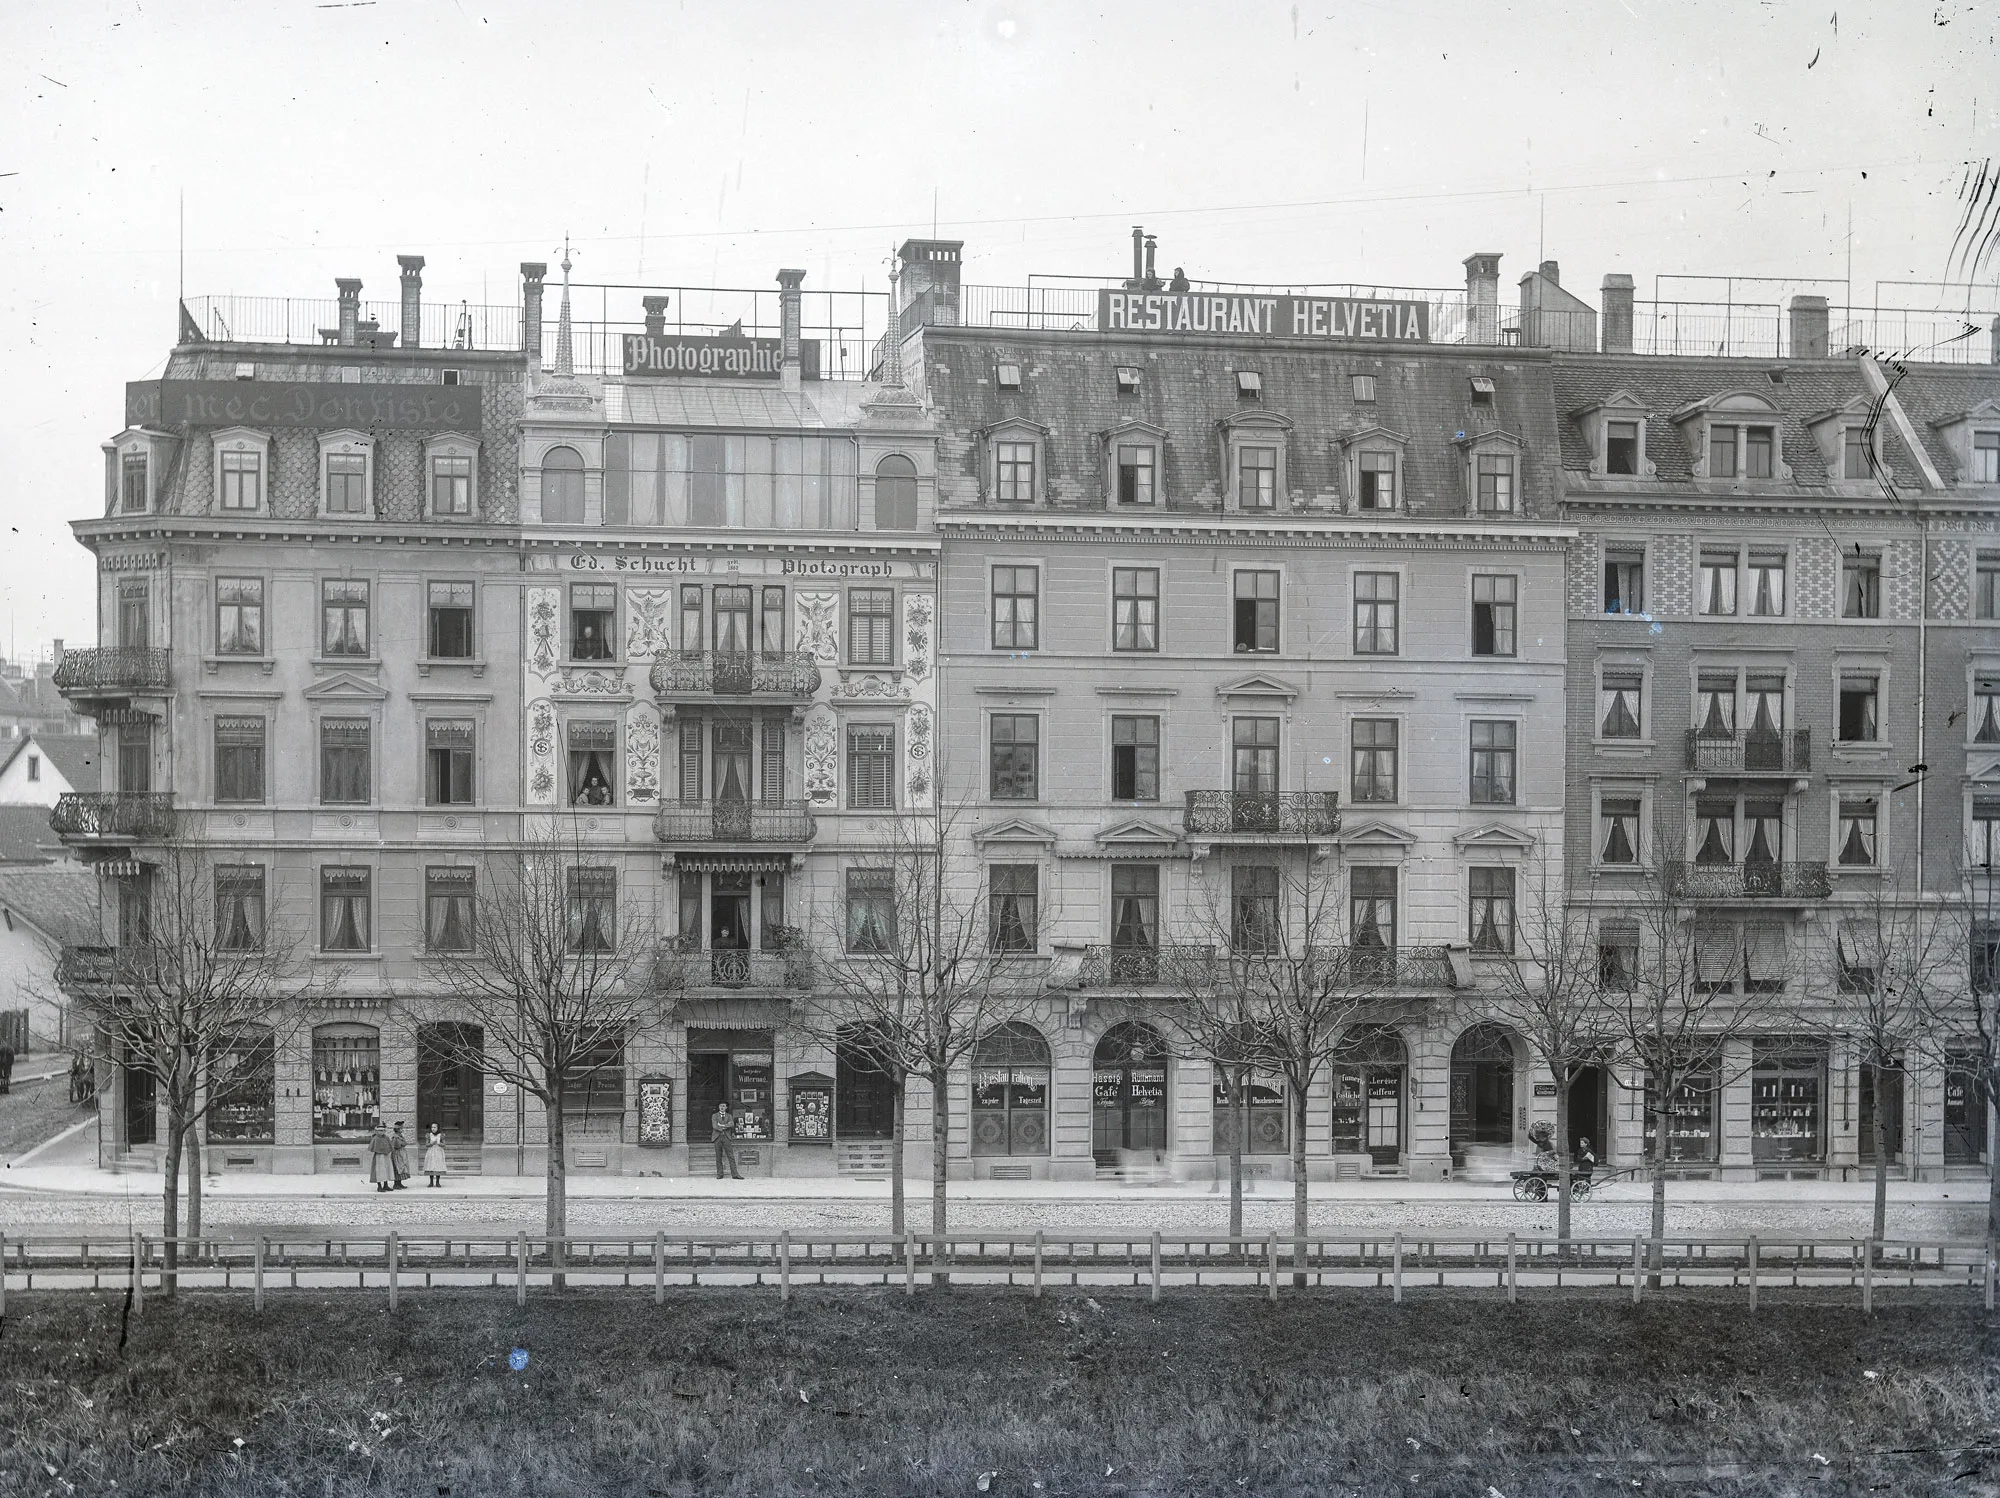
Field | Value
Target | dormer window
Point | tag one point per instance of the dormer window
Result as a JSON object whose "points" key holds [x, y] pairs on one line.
{"points": [[1615, 429], [1377, 490], [1137, 473], [1492, 472], [1133, 459], [1249, 384], [1857, 453], [242, 470], [1013, 462], [1495, 476], [1621, 448], [1973, 439], [1741, 452], [134, 493], [1364, 389], [346, 475], [1735, 437], [1482, 390], [1374, 469], [1253, 460], [1128, 379], [1008, 376], [451, 473], [1986, 457]]}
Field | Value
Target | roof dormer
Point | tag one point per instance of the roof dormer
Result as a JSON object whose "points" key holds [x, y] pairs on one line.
{"points": [[1849, 439], [1973, 438], [1135, 466], [1371, 466], [1615, 428], [1490, 462], [135, 471], [1734, 438], [1255, 448]]}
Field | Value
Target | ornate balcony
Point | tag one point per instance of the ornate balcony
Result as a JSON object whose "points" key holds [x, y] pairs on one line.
{"points": [[1393, 967], [1262, 815], [81, 968], [1748, 881], [109, 676], [705, 822], [1176, 967], [682, 968], [113, 818], [1750, 753], [776, 676]]}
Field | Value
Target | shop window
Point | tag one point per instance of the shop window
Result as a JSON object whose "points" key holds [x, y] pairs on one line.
{"points": [[243, 1074], [1375, 751], [1966, 1102], [1016, 608], [1618, 830], [562, 486], [1377, 603], [594, 1092], [1011, 900], [347, 1082], [1265, 1113], [1014, 756], [345, 906], [343, 616], [449, 922], [345, 777], [871, 626], [593, 767], [1135, 608], [239, 761], [1855, 835], [1011, 1077], [448, 762], [1256, 612], [448, 635], [871, 910], [1858, 700], [1860, 586], [239, 616], [1135, 758], [1621, 702], [1691, 1132], [239, 907], [1787, 1096], [593, 910], [1367, 1096], [1492, 914], [895, 494], [1494, 602], [871, 767], [1624, 579], [1493, 746]]}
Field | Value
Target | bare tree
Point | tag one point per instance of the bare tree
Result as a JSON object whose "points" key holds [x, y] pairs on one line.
{"points": [[551, 969], [1967, 997], [916, 960], [199, 973]]}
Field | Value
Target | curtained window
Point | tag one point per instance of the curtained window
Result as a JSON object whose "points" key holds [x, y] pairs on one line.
{"points": [[593, 769], [1857, 832], [593, 909], [448, 761], [343, 616], [1135, 906], [448, 906], [1492, 915], [1619, 702], [239, 907], [239, 760], [344, 904], [239, 616], [1012, 901], [871, 910], [343, 761], [1618, 829], [1253, 899]]}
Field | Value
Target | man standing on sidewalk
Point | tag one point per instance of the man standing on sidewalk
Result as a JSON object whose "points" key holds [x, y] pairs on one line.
{"points": [[723, 1122]]}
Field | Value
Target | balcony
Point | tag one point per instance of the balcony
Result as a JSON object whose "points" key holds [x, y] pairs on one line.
{"points": [[1393, 967], [1177, 967], [778, 676], [684, 968], [81, 968], [1750, 753], [705, 822], [113, 818], [1748, 881], [1262, 815], [111, 675]]}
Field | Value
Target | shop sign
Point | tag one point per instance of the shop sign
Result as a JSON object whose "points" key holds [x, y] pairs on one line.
{"points": [[1385, 1087], [283, 403], [656, 1112], [655, 355], [1545, 1089], [684, 564], [812, 1115], [1263, 316]]}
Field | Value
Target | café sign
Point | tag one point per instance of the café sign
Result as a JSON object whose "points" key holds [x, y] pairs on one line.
{"points": [[1259, 315]]}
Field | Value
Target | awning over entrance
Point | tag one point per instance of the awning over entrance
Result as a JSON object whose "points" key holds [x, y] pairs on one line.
{"points": [[735, 1014], [733, 863]]}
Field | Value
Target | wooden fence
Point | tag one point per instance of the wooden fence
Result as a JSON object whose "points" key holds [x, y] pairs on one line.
{"points": [[396, 1264]]}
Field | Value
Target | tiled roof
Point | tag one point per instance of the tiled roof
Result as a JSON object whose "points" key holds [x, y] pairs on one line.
{"points": [[25, 836], [1940, 393], [75, 755], [58, 900]]}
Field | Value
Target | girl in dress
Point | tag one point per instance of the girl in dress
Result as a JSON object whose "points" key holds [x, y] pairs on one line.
{"points": [[434, 1165]]}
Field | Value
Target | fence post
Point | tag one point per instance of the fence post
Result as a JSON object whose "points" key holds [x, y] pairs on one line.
{"points": [[1638, 1247], [659, 1269], [521, 1268], [1038, 1272], [1868, 1278], [1274, 1263], [785, 1265], [1513, 1283], [138, 1275], [1156, 1263], [909, 1263], [3, 1273], [1753, 1271], [1396, 1279], [1990, 1266], [257, 1293], [393, 1255]]}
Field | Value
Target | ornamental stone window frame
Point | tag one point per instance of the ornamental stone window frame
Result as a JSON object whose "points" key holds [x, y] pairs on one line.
{"points": [[1013, 429], [451, 445], [1253, 427], [155, 448], [1493, 442], [1737, 409], [1595, 420], [1373, 441], [1132, 433], [241, 439], [347, 442]]}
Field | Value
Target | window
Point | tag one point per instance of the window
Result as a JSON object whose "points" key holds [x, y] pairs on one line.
{"points": [[593, 909], [1128, 379], [344, 778], [448, 762], [1010, 1092], [1618, 957], [343, 616], [1618, 829], [1718, 582], [133, 494], [1482, 390], [448, 909], [1985, 957], [1715, 831], [1860, 586], [1492, 911], [34, 767], [242, 479], [1249, 383], [1496, 484], [1983, 846], [562, 486], [1857, 453], [1257, 478], [134, 614], [1856, 834], [239, 907], [1374, 759], [1011, 901], [239, 761], [239, 616], [1014, 747], [242, 1106], [1741, 452], [1986, 457], [732, 602], [1135, 907], [344, 909], [895, 494], [1377, 597], [1014, 472], [871, 626], [1492, 763], [1985, 724], [1253, 909], [1624, 579], [1986, 586], [1493, 600], [871, 762], [346, 483], [1016, 608], [451, 484], [871, 910], [771, 629], [1715, 704], [1621, 448], [1620, 702], [1767, 583], [1135, 759], [1378, 481], [347, 1082], [1364, 389], [1759, 449], [592, 615], [1858, 720], [450, 623], [1136, 461], [1253, 744], [1008, 376], [593, 768], [1135, 608], [1371, 915], [1256, 620], [135, 756]]}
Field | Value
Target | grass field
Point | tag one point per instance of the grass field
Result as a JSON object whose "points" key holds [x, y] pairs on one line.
{"points": [[34, 1111], [729, 1392]]}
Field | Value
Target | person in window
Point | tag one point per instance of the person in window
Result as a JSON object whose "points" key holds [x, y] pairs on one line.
{"points": [[723, 1122], [595, 790]]}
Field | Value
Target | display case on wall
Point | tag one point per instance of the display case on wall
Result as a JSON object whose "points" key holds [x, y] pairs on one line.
{"points": [[810, 1119], [347, 1082], [656, 1112]]}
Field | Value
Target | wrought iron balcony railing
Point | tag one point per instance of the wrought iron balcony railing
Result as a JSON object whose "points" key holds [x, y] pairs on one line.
{"points": [[1750, 753], [782, 676], [114, 816], [734, 822], [1364, 966], [1748, 881], [1174, 966], [104, 967], [1262, 813], [682, 968], [108, 671]]}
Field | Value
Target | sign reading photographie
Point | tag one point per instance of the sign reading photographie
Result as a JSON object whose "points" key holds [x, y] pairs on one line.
{"points": [[683, 356], [1262, 316], [284, 403]]}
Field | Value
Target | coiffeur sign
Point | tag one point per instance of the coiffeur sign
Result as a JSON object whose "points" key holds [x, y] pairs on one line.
{"points": [[1262, 316]]}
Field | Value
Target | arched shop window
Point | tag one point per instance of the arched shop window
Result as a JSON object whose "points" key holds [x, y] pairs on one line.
{"points": [[1010, 1092], [1368, 1089], [1128, 1094]]}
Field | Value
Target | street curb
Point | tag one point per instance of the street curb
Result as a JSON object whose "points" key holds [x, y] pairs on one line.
{"points": [[76, 1128]]}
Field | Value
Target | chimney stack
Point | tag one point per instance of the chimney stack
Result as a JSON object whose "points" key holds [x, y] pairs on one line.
{"points": [[1808, 318], [1617, 301], [532, 272], [1551, 273], [788, 326], [1138, 257], [1994, 342], [930, 281], [1152, 278], [656, 315], [59, 650], [350, 309], [413, 298], [1482, 297]]}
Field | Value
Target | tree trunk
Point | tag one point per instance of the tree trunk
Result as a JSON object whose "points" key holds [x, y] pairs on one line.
{"points": [[1563, 1079], [192, 1153], [1239, 1114], [170, 1205], [1878, 1131], [897, 1215], [1299, 1188], [1661, 1121], [555, 1221], [940, 1171]]}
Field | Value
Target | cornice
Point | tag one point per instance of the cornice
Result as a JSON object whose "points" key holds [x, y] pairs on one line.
{"points": [[1334, 529]]}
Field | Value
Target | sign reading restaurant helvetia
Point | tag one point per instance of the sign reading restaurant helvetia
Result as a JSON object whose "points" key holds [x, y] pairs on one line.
{"points": [[1277, 316], [677, 354]]}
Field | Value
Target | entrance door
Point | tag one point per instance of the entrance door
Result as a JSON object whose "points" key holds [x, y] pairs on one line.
{"points": [[1129, 1093], [450, 1093], [1589, 1095], [140, 1106], [1881, 1088], [708, 1084], [864, 1096], [1482, 1087]]}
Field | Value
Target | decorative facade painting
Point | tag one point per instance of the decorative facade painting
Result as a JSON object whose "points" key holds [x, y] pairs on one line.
{"points": [[541, 752], [920, 685], [918, 766], [816, 625], [919, 611], [544, 629], [642, 755], [822, 756], [648, 631]]}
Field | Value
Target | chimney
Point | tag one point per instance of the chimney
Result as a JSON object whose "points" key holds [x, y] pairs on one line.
{"points": [[1994, 343], [1617, 300], [930, 281], [656, 315], [350, 309], [1482, 297], [788, 327], [1808, 327], [413, 298], [532, 272], [1551, 273], [59, 650], [1152, 279]]}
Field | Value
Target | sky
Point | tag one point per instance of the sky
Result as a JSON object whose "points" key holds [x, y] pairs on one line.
{"points": [[278, 144]]}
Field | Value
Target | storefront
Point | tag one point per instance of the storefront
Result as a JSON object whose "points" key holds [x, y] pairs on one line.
{"points": [[1265, 1114], [1482, 1089], [1369, 1086], [1965, 1110], [1691, 1135], [1787, 1103], [242, 1108], [1010, 1093], [1129, 1096], [736, 1066]]}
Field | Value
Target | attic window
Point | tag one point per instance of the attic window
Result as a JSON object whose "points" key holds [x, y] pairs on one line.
{"points": [[246, 371], [451, 377], [1128, 380], [1364, 388], [1777, 376], [1482, 390], [1249, 383], [1009, 376]]}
